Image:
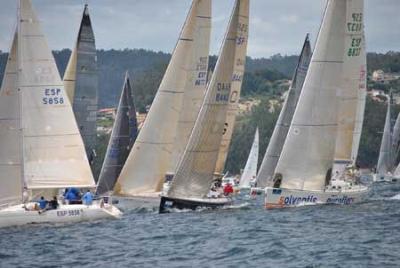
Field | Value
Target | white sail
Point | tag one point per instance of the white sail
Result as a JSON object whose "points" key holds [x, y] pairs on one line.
{"points": [[348, 94], [396, 138], [362, 93], [53, 151], [10, 153], [308, 152], [233, 109], [195, 171], [277, 140], [385, 152], [150, 156], [250, 170], [69, 79], [195, 84]]}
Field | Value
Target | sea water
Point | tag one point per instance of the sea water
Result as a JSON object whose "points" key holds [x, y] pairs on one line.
{"points": [[244, 235]]}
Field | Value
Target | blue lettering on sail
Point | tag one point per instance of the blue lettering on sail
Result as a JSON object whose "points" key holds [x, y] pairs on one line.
{"points": [[52, 96]]}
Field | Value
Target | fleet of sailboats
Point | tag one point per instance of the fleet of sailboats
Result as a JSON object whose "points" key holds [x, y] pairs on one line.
{"points": [[48, 126]]}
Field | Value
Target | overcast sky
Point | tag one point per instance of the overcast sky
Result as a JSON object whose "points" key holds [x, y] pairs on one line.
{"points": [[276, 26]]}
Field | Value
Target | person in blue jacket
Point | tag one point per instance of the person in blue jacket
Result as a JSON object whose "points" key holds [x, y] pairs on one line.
{"points": [[42, 203], [87, 198]]}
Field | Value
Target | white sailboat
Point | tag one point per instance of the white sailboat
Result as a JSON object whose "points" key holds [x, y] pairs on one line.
{"points": [[277, 140], [385, 166], [152, 155], [250, 170], [303, 173], [191, 184], [42, 150]]}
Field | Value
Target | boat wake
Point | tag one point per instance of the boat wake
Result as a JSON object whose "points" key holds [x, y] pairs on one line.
{"points": [[396, 197], [244, 205]]}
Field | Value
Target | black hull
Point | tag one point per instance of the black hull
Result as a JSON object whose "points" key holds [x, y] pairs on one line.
{"points": [[167, 203]]}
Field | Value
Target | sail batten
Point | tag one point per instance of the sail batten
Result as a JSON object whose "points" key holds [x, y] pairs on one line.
{"points": [[155, 142], [196, 168], [277, 140]]}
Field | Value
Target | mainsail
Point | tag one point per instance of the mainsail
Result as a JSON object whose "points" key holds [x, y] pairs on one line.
{"points": [[195, 85], [349, 91], [396, 139], [53, 154], [149, 159], [123, 136], [307, 154], [81, 83], [277, 140], [385, 152], [195, 171], [250, 170], [10, 134]]}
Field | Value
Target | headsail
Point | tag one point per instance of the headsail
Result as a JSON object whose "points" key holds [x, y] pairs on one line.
{"points": [[10, 134], [81, 83], [123, 136], [195, 171], [250, 170], [307, 154], [385, 152], [348, 93], [277, 140], [150, 156], [396, 139], [53, 151], [362, 93]]}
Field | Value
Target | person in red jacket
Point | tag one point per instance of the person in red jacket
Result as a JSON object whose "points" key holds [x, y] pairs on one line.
{"points": [[228, 189]]}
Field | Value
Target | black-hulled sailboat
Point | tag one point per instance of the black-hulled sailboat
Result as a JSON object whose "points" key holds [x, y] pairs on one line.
{"points": [[195, 172]]}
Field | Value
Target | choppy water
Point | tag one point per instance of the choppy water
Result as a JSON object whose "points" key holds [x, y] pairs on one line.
{"points": [[362, 235]]}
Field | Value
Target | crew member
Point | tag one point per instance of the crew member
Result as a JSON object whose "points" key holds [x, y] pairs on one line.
{"points": [[87, 198]]}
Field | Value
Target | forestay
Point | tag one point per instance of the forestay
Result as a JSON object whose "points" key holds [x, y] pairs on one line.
{"points": [[81, 83], [150, 157], [123, 136], [348, 93], [53, 151], [277, 140], [10, 138], [195, 171], [307, 154], [250, 170]]}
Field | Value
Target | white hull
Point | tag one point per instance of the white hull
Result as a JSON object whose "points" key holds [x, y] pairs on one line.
{"points": [[280, 197], [18, 215], [385, 178]]}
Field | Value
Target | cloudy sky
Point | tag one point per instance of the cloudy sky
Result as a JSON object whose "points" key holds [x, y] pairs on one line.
{"points": [[276, 26]]}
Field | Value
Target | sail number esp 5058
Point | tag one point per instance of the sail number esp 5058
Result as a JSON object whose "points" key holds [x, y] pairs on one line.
{"points": [[52, 96]]}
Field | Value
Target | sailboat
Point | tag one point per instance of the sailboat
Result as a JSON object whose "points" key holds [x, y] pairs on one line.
{"points": [[303, 174], [249, 174], [152, 155], [123, 136], [81, 84], [42, 150], [194, 175], [387, 153], [277, 140]]}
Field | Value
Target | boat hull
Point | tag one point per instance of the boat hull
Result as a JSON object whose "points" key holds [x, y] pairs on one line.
{"points": [[385, 178], [280, 197], [168, 203], [18, 215]]}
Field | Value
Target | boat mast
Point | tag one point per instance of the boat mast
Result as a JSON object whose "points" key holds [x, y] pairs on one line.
{"points": [[19, 70]]}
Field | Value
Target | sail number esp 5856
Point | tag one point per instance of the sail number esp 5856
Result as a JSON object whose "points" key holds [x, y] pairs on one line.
{"points": [[52, 96]]}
